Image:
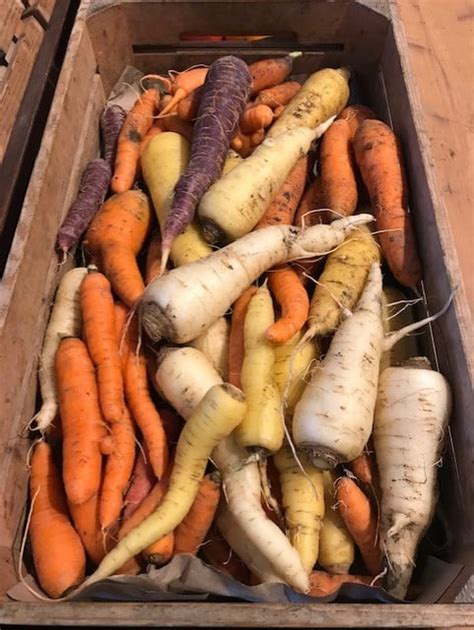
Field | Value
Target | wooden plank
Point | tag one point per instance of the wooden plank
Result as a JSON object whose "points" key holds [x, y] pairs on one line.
{"points": [[45, 7], [15, 79], [10, 16], [238, 615]]}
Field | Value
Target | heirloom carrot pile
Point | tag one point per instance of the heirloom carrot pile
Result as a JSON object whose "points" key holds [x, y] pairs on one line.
{"points": [[231, 323]]}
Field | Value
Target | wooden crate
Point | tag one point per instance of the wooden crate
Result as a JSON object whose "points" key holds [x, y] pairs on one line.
{"points": [[108, 35]]}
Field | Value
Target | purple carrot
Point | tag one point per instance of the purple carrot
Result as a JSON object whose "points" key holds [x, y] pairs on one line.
{"points": [[95, 183], [111, 121], [143, 480], [224, 94]]}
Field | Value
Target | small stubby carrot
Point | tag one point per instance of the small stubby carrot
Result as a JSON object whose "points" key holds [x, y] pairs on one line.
{"points": [[134, 129], [142, 481], [255, 118], [153, 258], [323, 584], [58, 554], [361, 521], [312, 200], [191, 532], [355, 116], [288, 290], [338, 177], [86, 522], [241, 143], [82, 424], [115, 237], [281, 210], [218, 554], [236, 339], [267, 73], [379, 159], [278, 95], [99, 324], [141, 405]]}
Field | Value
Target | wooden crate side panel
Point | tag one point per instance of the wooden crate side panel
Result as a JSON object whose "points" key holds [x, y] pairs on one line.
{"points": [[10, 16]]}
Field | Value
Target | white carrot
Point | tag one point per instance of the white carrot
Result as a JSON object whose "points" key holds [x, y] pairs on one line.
{"points": [[65, 321], [412, 412], [214, 343], [184, 303]]}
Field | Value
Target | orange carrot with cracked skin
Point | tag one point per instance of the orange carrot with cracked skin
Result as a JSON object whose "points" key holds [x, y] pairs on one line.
{"points": [[282, 209], [278, 95], [323, 584], [86, 522], [115, 237], [141, 405], [82, 424], [355, 116], [153, 258], [361, 521], [134, 129], [191, 532], [288, 290], [236, 338], [338, 177], [98, 312], [255, 118], [311, 200], [379, 159], [58, 554]]}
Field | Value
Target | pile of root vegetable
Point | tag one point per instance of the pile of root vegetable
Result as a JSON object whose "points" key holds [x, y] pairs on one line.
{"points": [[227, 376]]}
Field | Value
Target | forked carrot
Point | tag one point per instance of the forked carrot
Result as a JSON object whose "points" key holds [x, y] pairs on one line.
{"points": [[361, 521], [289, 291], [236, 339], [182, 85]]}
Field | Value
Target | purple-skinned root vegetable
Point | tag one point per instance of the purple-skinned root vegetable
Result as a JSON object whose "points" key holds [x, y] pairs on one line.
{"points": [[111, 122]]}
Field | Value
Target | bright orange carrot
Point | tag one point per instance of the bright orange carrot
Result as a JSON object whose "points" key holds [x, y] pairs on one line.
{"points": [[323, 584], [311, 200], [136, 125], [255, 118], [183, 84], [355, 116], [267, 73], [160, 552], [122, 313], [288, 290], [153, 258], [188, 108], [379, 159], [361, 521], [278, 95], [338, 177], [86, 522], [141, 405], [363, 466], [58, 553], [282, 209], [99, 323], [115, 237], [257, 138], [236, 339], [191, 532], [143, 480], [82, 424]]}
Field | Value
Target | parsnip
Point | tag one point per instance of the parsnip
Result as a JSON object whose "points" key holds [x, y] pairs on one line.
{"points": [[411, 416], [397, 313], [184, 303], [214, 343], [336, 547]]}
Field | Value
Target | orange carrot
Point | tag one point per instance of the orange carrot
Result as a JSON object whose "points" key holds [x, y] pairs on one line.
{"points": [[188, 108], [219, 555], [86, 521], [241, 143], [161, 551], [118, 469], [175, 124], [361, 521], [153, 258], [191, 532], [378, 156], [355, 116], [323, 584], [164, 102], [141, 405], [121, 315], [256, 117], [183, 84], [82, 424], [136, 125], [267, 73], [282, 209], [99, 323], [115, 237], [363, 466], [338, 178], [143, 480], [236, 339], [154, 130], [288, 290], [58, 553], [278, 95], [257, 138], [312, 200]]}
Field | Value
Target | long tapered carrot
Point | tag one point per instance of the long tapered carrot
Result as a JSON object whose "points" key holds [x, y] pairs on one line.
{"points": [[355, 116], [267, 73], [99, 324], [278, 95], [122, 313], [58, 554], [142, 481], [134, 129], [361, 521], [379, 159], [82, 425], [141, 405], [289, 291], [322, 583], [191, 532], [338, 177], [236, 338], [86, 522], [153, 258], [311, 201], [282, 209]]}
